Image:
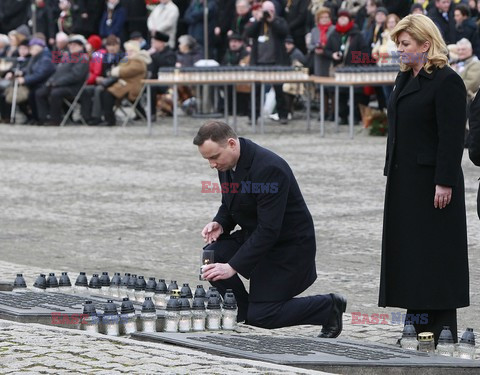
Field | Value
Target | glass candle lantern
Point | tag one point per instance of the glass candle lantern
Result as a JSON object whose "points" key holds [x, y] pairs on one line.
{"points": [[140, 286], [64, 284], [132, 281], [114, 285], [122, 290], [214, 313], [148, 316], [104, 284], [128, 318], [160, 295], [150, 288], [230, 311], [172, 315], [52, 283], [409, 337], [90, 319], [185, 319], [40, 284], [110, 319], [19, 284], [198, 314], [466, 346], [426, 343], [94, 284], [446, 346]]}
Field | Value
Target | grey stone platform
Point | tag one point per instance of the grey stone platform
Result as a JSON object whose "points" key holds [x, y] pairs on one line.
{"points": [[344, 356]]}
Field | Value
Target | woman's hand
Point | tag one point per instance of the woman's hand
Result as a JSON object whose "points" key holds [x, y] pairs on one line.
{"points": [[443, 196]]}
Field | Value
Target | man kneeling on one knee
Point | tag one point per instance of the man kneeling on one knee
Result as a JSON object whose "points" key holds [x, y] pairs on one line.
{"points": [[275, 247]]}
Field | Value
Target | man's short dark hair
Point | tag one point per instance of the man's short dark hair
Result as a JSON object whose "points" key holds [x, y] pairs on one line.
{"points": [[216, 131], [464, 10]]}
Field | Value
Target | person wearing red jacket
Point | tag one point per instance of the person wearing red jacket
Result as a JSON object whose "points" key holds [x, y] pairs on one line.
{"points": [[89, 110], [96, 52]]}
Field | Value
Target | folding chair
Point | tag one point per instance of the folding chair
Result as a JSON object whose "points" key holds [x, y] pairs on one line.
{"points": [[133, 105], [72, 105]]}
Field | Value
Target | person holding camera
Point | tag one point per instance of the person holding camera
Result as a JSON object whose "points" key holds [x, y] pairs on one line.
{"points": [[268, 33]]}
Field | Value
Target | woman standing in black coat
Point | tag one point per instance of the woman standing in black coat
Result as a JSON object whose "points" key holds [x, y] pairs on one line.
{"points": [[424, 249]]}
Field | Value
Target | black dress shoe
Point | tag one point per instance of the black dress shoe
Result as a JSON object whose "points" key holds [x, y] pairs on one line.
{"points": [[334, 326]]}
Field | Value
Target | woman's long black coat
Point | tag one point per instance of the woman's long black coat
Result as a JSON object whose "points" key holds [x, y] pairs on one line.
{"points": [[424, 249]]}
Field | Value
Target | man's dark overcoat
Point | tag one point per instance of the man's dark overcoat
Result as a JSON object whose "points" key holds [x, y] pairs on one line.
{"points": [[278, 255], [424, 249]]}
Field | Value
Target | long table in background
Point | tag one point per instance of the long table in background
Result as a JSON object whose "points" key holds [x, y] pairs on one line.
{"points": [[225, 83], [323, 82]]}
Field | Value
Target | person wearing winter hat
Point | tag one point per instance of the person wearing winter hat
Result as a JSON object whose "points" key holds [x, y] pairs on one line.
{"points": [[95, 52], [39, 68], [162, 56], [342, 41], [71, 73], [130, 72]]}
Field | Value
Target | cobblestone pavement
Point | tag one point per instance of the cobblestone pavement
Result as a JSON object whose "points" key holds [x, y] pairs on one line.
{"points": [[113, 199]]}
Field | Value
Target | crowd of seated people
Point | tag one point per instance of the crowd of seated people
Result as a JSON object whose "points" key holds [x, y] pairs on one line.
{"points": [[107, 47]]}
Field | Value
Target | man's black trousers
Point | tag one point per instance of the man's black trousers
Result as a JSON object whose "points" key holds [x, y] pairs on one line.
{"points": [[296, 311]]}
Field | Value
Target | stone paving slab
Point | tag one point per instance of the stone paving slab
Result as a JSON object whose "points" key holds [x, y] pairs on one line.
{"points": [[113, 199], [43, 349]]}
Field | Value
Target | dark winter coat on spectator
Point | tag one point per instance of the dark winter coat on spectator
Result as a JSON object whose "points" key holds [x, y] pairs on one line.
{"points": [[447, 28], [182, 26], [399, 7], [190, 58], [354, 40], [279, 29], [72, 71], [321, 64], [162, 59], [194, 18], [117, 27], [239, 24], [296, 16], [297, 55], [94, 10], [13, 13], [45, 21], [233, 58], [469, 30], [136, 16], [38, 69]]}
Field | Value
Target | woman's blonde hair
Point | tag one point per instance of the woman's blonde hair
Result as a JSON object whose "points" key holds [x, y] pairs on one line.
{"points": [[422, 29], [322, 11]]}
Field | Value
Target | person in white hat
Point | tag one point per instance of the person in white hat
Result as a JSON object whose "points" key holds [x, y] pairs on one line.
{"points": [[70, 75]]}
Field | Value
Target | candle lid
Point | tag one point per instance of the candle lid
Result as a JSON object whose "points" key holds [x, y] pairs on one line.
{"points": [[81, 280], [19, 281], [425, 336], [104, 279], [64, 280], [148, 305]]}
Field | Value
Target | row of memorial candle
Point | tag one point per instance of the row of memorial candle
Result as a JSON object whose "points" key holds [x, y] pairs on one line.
{"points": [[366, 74], [228, 74], [424, 342], [183, 312]]}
